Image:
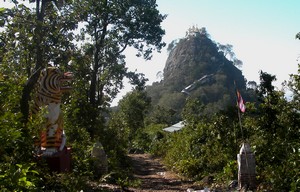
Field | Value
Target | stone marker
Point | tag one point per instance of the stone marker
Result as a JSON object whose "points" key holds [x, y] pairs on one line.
{"points": [[246, 167]]}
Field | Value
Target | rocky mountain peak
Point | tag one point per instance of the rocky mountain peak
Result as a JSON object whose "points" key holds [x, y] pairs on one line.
{"points": [[197, 62]]}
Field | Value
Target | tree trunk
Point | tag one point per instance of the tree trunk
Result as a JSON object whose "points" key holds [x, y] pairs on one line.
{"points": [[99, 42], [29, 85], [27, 89], [94, 80]]}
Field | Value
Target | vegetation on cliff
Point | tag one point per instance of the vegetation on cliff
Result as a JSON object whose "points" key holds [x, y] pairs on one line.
{"points": [[30, 39], [199, 68]]}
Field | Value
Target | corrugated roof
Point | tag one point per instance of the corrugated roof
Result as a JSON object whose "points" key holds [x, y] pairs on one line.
{"points": [[175, 127]]}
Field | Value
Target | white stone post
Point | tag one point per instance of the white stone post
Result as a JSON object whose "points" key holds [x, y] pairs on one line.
{"points": [[246, 168]]}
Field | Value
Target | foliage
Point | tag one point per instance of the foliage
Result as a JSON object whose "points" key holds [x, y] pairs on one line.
{"points": [[128, 182], [156, 139], [209, 142], [207, 145], [294, 86], [228, 53], [113, 26], [195, 151], [63, 182], [160, 115], [31, 38], [17, 169], [278, 136], [298, 35], [192, 111], [190, 59], [132, 110], [172, 45], [19, 177]]}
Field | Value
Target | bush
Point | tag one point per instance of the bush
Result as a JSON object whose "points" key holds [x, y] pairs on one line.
{"points": [[202, 148]]}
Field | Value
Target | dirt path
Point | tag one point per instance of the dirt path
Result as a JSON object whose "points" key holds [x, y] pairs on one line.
{"points": [[154, 177]]}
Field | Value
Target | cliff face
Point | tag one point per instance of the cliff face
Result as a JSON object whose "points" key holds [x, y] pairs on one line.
{"points": [[190, 59], [196, 63]]}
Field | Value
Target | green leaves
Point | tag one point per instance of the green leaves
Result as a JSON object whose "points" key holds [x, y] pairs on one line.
{"points": [[19, 177], [113, 26], [298, 35], [24, 172], [209, 145], [2, 12]]}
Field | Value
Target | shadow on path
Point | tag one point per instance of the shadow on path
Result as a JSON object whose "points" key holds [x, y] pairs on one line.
{"points": [[154, 177]]}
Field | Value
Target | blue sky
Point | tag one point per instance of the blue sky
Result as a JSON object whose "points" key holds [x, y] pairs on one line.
{"points": [[262, 33]]}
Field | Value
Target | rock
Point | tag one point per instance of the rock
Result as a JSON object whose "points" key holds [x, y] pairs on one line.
{"points": [[202, 190], [233, 184], [207, 180], [99, 159], [245, 149]]}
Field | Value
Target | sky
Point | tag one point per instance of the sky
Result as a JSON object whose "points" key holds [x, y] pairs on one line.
{"points": [[262, 33]]}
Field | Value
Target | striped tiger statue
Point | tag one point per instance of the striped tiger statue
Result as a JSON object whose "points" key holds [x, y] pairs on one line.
{"points": [[50, 87]]}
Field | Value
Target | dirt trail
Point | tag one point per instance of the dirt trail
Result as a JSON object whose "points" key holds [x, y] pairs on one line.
{"points": [[154, 177]]}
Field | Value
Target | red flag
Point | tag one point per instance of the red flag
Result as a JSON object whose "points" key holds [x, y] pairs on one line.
{"points": [[240, 102]]}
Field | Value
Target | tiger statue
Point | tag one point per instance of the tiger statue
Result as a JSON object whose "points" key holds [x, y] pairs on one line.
{"points": [[50, 87]]}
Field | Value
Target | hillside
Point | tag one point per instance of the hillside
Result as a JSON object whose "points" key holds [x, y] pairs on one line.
{"points": [[197, 64]]}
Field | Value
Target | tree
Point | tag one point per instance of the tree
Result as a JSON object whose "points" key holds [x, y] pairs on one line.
{"points": [[193, 111], [33, 38], [113, 25], [38, 57], [160, 115], [252, 85], [132, 112], [292, 119], [269, 99], [266, 88], [172, 45], [274, 134], [294, 85], [228, 53], [298, 35]]}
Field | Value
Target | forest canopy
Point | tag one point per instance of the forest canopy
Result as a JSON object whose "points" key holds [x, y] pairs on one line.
{"points": [[88, 38]]}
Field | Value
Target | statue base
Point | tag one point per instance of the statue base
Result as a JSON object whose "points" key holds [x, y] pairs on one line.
{"points": [[59, 162]]}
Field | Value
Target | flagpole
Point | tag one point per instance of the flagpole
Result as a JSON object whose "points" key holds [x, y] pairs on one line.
{"points": [[238, 110], [241, 108], [240, 122]]}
